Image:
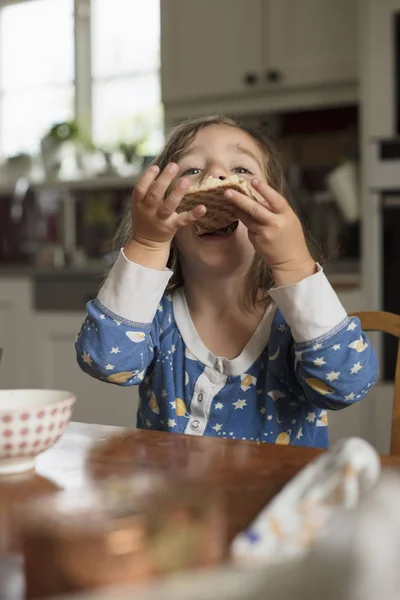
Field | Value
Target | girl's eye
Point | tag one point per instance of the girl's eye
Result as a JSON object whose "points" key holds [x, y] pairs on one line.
{"points": [[242, 170], [192, 171]]}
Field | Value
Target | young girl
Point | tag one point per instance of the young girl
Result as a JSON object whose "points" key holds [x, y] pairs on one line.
{"points": [[237, 335]]}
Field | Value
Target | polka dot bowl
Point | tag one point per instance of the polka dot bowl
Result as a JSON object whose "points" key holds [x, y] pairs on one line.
{"points": [[30, 422]]}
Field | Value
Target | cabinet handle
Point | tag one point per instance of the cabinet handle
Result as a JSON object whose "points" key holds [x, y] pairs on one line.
{"points": [[273, 76], [251, 78]]}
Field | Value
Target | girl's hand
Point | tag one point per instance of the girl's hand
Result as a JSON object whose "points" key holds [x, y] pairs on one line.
{"points": [[154, 220], [275, 232]]}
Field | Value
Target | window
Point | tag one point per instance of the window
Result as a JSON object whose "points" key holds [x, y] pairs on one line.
{"points": [[120, 86], [125, 67], [36, 71]]}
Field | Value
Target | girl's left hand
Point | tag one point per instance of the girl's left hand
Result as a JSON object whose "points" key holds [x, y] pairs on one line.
{"points": [[275, 232]]}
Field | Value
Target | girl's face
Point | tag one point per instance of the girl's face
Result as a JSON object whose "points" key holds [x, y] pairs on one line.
{"points": [[219, 151]]}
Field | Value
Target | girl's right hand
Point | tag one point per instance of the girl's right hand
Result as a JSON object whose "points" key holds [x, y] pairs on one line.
{"points": [[154, 217]]}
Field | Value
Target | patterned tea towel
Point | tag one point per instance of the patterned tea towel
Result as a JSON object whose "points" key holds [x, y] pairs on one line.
{"points": [[302, 511]]}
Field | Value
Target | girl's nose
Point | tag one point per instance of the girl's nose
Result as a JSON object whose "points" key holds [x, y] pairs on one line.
{"points": [[218, 172]]}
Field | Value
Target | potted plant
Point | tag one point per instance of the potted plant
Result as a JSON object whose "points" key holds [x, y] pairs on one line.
{"points": [[59, 142]]}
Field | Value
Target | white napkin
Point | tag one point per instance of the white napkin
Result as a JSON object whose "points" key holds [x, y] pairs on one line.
{"points": [[358, 557], [290, 525]]}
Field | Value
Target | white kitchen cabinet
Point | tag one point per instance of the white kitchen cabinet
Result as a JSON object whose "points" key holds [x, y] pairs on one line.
{"points": [[208, 48], [312, 42], [370, 419], [225, 48], [56, 365], [16, 370]]}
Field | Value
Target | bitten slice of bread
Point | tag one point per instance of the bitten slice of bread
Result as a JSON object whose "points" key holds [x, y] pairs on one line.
{"points": [[210, 193]]}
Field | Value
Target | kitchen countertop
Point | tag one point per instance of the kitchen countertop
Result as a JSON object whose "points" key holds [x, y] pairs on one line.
{"points": [[344, 274], [32, 271], [343, 281], [245, 474]]}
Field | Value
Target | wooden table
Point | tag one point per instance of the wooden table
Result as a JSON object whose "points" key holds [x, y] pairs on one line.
{"points": [[247, 474]]}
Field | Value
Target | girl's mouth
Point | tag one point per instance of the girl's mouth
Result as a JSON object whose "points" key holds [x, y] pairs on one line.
{"points": [[224, 232]]}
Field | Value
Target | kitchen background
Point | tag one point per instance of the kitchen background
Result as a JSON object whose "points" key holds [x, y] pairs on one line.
{"points": [[88, 89]]}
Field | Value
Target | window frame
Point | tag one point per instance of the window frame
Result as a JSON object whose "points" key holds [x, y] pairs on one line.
{"points": [[83, 79], [83, 66]]}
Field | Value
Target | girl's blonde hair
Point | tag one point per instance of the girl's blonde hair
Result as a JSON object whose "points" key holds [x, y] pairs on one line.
{"points": [[180, 138]]}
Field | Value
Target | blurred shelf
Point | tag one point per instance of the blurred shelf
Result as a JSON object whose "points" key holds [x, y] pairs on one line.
{"points": [[94, 183], [88, 274]]}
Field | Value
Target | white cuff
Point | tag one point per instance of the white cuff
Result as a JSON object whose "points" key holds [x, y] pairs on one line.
{"points": [[133, 292], [311, 307]]}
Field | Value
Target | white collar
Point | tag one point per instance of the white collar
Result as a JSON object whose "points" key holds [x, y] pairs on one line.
{"points": [[194, 344]]}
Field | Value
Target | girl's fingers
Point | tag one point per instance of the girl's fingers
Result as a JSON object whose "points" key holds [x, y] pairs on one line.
{"points": [[143, 185], [255, 210], [158, 189], [246, 219], [274, 201], [171, 203], [188, 217]]}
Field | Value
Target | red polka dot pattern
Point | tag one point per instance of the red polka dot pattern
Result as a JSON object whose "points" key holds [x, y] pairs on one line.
{"points": [[40, 429]]}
